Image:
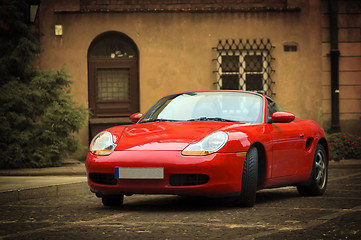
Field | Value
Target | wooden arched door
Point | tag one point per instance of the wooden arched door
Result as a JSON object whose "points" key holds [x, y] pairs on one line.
{"points": [[113, 81]]}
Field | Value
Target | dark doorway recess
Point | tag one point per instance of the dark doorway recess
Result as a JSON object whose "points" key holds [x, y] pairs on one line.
{"points": [[113, 66]]}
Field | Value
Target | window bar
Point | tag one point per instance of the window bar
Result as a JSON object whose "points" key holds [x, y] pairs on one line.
{"points": [[254, 69]]}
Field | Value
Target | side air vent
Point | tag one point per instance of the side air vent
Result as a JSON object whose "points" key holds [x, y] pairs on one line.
{"points": [[309, 143]]}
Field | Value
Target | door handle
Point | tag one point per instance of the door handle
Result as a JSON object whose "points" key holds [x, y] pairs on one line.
{"points": [[302, 135]]}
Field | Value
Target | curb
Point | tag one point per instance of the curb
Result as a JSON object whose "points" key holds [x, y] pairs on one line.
{"points": [[344, 163], [68, 189], [67, 170]]}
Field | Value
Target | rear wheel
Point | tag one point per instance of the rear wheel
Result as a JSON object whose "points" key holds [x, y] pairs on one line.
{"points": [[247, 197], [316, 186], [113, 200]]}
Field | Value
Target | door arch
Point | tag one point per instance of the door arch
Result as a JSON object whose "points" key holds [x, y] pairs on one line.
{"points": [[113, 84]]}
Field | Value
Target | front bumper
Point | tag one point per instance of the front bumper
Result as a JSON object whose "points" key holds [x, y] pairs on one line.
{"points": [[224, 171]]}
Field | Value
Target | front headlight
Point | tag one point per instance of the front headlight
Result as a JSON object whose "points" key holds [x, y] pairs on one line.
{"points": [[102, 144], [208, 145]]}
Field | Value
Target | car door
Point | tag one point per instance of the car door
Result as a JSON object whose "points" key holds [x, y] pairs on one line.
{"points": [[287, 149], [287, 145]]}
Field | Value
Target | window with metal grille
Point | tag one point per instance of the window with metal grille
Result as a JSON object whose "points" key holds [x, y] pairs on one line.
{"points": [[245, 65], [113, 85]]}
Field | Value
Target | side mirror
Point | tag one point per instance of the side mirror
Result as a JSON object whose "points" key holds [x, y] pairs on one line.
{"points": [[135, 117], [282, 117]]}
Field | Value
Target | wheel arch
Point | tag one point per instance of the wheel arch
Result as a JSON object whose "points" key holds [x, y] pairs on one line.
{"points": [[324, 143], [261, 163]]}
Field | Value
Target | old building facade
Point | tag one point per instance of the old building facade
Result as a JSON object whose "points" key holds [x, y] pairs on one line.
{"points": [[124, 55]]}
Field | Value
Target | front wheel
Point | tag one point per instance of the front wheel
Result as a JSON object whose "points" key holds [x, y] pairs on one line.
{"points": [[317, 183], [247, 197]]}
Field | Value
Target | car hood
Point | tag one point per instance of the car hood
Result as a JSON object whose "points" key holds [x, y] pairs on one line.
{"points": [[165, 135]]}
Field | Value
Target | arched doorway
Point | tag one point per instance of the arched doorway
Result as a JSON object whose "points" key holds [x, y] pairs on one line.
{"points": [[113, 80]]}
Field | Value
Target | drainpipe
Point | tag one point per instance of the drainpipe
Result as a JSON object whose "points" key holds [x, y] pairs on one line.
{"points": [[334, 55]]}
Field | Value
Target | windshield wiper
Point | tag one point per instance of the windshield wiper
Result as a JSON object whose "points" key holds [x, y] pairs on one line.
{"points": [[218, 119], [156, 120]]}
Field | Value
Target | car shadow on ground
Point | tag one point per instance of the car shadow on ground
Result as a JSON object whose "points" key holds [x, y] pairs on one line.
{"points": [[276, 195], [166, 203]]}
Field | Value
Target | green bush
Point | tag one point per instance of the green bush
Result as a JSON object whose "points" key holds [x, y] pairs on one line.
{"points": [[37, 121], [344, 146], [37, 115]]}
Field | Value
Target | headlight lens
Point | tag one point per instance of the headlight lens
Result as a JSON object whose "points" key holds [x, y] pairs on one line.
{"points": [[208, 145], [102, 144]]}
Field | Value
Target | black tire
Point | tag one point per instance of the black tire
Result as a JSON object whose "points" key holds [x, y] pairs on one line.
{"points": [[247, 197], [316, 185], [113, 200]]}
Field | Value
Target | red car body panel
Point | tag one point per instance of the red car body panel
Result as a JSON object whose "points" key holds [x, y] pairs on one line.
{"points": [[223, 180], [164, 135], [288, 155]]}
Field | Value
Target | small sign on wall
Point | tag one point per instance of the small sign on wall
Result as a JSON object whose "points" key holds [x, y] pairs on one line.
{"points": [[58, 30]]}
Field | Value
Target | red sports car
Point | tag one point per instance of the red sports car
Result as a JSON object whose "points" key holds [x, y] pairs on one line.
{"points": [[209, 143]]}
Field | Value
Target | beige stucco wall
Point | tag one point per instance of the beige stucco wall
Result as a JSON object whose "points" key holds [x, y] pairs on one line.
{"points": [[175, 50]]}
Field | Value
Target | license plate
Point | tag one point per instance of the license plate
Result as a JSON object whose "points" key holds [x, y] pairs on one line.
{"points": [[139, 173]]}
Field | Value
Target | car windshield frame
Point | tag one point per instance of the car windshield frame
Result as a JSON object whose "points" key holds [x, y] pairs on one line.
{"points": [[223, 106]]}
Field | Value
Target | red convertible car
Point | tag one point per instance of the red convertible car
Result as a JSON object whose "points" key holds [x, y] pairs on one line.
{"points": [[209, 143]]}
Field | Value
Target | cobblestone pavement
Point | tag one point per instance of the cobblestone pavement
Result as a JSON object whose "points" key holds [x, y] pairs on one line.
{"points": [[278, 214]]}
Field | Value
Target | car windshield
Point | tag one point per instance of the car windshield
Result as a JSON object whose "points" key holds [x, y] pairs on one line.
{"points": [[207, 106]]}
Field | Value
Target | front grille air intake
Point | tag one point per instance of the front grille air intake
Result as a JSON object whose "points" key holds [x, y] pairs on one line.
{"points": [[188, 179], [103, 178]]}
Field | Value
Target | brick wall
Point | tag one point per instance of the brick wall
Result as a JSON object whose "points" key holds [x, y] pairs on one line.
{"points": [[182, 5], [349, 44]]}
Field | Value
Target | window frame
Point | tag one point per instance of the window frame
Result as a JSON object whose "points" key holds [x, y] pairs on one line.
{"points": [[113, 108], [242, 49], [242, 65]]}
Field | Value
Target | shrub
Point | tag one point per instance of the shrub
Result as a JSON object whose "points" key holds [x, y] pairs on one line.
{"points": [[37, 121], [344, 146], [37, 115]]}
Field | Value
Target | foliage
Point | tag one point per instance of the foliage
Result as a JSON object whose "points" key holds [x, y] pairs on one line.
{"points": [[344, 146], [37, 114], [37, 120], [18, 45]]}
